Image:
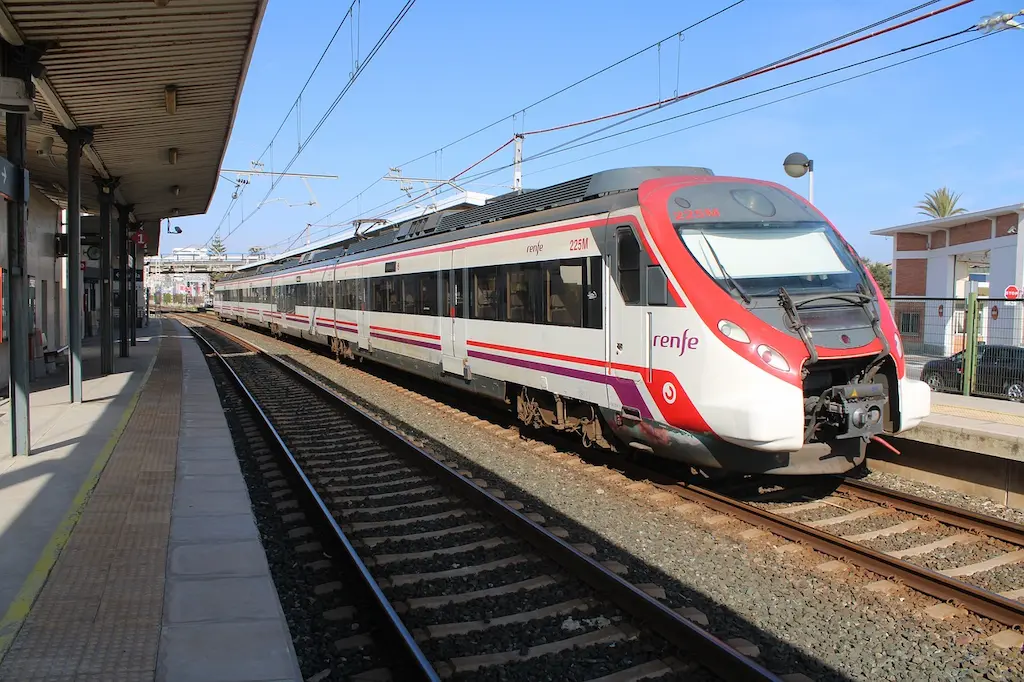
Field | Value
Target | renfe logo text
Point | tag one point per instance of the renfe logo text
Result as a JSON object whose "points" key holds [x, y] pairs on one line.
{"points": [[683, 343]]}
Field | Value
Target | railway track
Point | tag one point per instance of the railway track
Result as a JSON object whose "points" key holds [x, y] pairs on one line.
{"points": [[300, 552], [891, 515], [461, 583], [896, 535]]}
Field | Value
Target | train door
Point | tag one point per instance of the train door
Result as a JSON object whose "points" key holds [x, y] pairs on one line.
{"points": [[362, 298], [629, 350], [453, 326]]}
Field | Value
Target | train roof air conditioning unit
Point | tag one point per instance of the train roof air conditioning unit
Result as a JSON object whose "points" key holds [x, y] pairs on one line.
{"points": [[13, 98]]}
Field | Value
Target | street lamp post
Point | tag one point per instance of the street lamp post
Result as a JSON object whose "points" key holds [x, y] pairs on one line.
{"points": [[795, 165]]}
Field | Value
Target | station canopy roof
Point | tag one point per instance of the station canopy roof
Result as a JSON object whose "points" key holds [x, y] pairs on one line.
{"points": [[149, 76]]}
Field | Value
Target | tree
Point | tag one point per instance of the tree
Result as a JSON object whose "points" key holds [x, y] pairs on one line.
{"points": [[217, 247], [940, 204], [882, 273]]}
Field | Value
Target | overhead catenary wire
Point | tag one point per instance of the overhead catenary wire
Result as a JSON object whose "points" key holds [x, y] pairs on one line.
{"points": [[756, 72], [555, 150], [802, 55], [294, 107], [579, 82], [758, 106], [323, 119], [523, 110]]}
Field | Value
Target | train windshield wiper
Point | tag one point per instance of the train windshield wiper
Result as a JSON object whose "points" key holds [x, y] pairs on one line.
{"points": [[725, 273]]}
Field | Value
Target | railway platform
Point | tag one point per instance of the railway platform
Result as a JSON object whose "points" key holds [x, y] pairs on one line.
{"points": [[130, 551], [974, 445]]}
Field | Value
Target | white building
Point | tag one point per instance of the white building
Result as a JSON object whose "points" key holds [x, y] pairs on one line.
{"points": [[934, 264]]}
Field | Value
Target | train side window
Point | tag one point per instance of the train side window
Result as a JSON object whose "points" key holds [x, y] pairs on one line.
{"points": [[628, 265], [657, 286], [344, 299], [564, 292], [483, 293], [521, 286], [428, 294], [379, 287], [453, 292], [409, 294]]}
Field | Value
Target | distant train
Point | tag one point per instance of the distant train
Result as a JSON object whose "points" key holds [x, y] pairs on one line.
{"points": [[718, 321]]}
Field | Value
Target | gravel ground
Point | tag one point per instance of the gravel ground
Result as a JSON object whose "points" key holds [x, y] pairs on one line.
{"points": [[884, 519], [972, 502], [1001, 579], [912, 538], [824, 626], [958, 555]]}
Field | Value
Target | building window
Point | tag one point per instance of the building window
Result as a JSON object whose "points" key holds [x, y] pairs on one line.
{"points": [[910, 323]]}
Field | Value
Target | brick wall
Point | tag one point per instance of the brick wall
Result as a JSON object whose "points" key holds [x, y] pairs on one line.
{"points": [[911, 276], [907, 241], [912, 330], [977, 231], [1004, 223], [938, 239]]}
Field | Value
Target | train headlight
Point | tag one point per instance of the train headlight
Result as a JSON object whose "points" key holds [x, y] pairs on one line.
{"points": [[772, 358], [733, 331]]}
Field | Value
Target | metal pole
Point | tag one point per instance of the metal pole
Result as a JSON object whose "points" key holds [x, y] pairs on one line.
{"points": [[20, 334], [810, 180], [135, 289], [970, 356], [517, 172], [106, 288], [123, 213], [75, 140]]}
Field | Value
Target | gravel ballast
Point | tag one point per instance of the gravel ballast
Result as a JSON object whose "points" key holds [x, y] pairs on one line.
{"points": [[826, 626]]}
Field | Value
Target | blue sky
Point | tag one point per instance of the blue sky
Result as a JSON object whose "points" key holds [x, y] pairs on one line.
{"points": [[879, 142]]}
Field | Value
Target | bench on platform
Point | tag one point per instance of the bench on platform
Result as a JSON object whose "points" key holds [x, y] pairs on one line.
{"points": [[57, 356]]}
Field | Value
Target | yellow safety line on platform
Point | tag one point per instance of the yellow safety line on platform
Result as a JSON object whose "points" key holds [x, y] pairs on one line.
{"points": [[20, 607], [979, 415]]}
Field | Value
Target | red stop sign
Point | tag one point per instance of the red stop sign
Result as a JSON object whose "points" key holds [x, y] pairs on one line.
{"points": [[1012, 292]]}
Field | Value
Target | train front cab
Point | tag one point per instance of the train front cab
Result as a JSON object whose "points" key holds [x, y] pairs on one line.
{"points": [[796, 360]]}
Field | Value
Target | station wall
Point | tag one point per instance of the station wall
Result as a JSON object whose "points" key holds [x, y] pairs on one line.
{"points": [[47, 298]]}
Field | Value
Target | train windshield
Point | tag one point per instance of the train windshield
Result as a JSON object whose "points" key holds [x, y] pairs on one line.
{"points": [[805, 257]]}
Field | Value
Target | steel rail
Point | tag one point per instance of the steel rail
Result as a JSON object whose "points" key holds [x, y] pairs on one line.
{"points": [[708, 650], [948, 514], [980, 601], [412, 660]]}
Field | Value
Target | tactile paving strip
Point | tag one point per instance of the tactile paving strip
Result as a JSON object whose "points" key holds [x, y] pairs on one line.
{"points": [[980, 415], [99, 615]]}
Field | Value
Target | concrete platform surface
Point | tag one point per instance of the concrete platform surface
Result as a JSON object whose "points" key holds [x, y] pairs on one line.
{"points": [[155, 571], [994, 428]]}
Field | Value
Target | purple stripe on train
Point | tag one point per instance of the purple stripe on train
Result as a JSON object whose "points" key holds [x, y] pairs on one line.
{"points": [[321, 323], [626, 389], [411, 342]]}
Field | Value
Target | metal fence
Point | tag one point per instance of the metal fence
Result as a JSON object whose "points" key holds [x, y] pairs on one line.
{"points": [[937, 336]]}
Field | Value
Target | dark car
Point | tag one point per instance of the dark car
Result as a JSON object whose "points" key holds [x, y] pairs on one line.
{"points": [[1000, 372]]}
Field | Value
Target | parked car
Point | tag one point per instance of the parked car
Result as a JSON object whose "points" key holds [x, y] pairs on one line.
{"points": [[999, 372]]}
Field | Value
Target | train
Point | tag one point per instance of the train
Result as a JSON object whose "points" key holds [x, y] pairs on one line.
{"points": [[722, 322]]}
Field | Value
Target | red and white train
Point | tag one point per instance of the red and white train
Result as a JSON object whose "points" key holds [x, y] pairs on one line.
{"points": [[717, 321]]}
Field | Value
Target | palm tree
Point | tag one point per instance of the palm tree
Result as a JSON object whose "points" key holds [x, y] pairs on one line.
{"points": [[940, 204]]}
